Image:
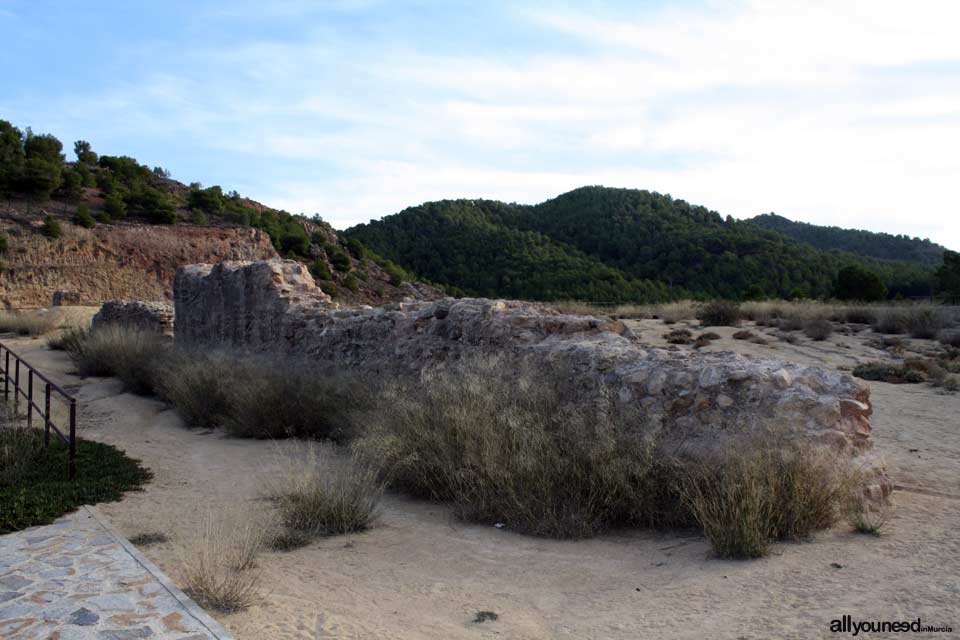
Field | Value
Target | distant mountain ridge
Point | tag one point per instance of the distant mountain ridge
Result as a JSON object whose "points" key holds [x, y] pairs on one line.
{"points": [[873, 244], [613, 245]]}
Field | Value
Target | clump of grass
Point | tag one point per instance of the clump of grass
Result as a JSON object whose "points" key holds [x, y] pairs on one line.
{"points": [[131, 355], [719, 313], [924, 322], [485, 616], [280, 398], [289, 540], [763, 494], [322, 496], [743, 334], [884, 372], [867, 517], [149, 538], [818, 329], [26, 323], [950, 338], [857, 315], [68, 340], [519, 451], [679, 336], [674, 312], [891, 321], [216, 566], [705, 338], [200, 385]]}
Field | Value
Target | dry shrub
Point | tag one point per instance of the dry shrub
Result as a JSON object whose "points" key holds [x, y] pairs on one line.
{"points": [[924, 322], [131, 355], [68, 340], [516, 449], [674, 312], [217, 564], [27, 323], [719, 313], [818, 329], [857, 315], [281, 398], [679, 336], [199, 384], [319, 495], [743, 334], [705, 338], [867, 516], [257, 397], [950, 339], [891, 321], [764, 493], [884, 372]]}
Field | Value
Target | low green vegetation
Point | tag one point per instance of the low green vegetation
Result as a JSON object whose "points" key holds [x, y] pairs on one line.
{"points": [[34, 487]]}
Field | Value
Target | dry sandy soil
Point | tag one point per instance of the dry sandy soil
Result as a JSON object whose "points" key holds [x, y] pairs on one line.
{"points": [[423, 574]]}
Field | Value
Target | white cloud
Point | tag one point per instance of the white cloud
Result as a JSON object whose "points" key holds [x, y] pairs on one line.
{"points": [[840, 112]]}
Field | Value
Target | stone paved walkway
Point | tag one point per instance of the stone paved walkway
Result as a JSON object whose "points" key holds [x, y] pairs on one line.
{"points": [[78, 578]]}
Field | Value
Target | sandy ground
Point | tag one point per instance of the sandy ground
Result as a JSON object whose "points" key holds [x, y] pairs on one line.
{"points": [[422, 574]]}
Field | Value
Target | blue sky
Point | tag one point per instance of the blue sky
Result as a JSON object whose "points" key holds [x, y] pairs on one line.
{"points": [[838, 112]]}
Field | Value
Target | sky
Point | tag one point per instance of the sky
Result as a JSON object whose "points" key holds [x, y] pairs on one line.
{"points": [[832, 112]]}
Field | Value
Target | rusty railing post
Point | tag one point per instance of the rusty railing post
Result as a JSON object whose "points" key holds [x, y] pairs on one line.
{"points": [[46, 415], [6, 377], [16, 389], [29, 397], [72, 460]]}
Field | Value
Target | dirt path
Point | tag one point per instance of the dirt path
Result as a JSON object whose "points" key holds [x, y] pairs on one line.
{"points": [[422, 574]]}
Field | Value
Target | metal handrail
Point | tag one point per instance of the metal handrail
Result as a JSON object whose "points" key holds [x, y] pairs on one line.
{"points": [[44, 412]]}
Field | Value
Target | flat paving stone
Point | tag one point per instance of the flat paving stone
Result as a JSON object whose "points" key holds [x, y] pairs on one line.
{"points": [[79, 579]]}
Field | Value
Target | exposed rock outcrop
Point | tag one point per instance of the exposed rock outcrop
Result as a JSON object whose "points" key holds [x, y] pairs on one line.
{"points": [[698, 401], [121, 261], [153, 317]]}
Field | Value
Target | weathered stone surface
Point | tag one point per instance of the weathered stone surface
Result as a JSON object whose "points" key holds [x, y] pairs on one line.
{"points": [[154, 317], [698, 401]]}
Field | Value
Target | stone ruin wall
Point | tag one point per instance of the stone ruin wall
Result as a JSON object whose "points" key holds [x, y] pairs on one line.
{"points": [[152, 317], [699, 401]]}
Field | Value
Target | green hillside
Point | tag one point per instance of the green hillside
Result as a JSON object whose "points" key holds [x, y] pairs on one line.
{"points": [[865, 243], [612, 245]]}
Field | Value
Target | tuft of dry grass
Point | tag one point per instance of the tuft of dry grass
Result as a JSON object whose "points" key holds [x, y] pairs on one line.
{"points": [[217, 566], [925, 322], [891, 321], [818, 329], [866, 516], [132, 356], [27, 323], [679, 336], [770, 491], [719, 313], [68, 340], [320, 495], [674, 312], [521, 451]]}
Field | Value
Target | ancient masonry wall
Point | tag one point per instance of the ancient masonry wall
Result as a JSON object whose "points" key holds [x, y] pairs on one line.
{"points": [[153, 317], [698, 401]]}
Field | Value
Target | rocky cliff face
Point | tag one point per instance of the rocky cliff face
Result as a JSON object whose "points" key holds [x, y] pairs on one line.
{"points": [[697, 401], [113, 261]]}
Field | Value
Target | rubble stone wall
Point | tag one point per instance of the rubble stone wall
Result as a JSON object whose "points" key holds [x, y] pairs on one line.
{"points": [[698, 401], [155, 317]]}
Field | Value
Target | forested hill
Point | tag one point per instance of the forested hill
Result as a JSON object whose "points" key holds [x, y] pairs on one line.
{"points": [[864, 243], [613, 245]]}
